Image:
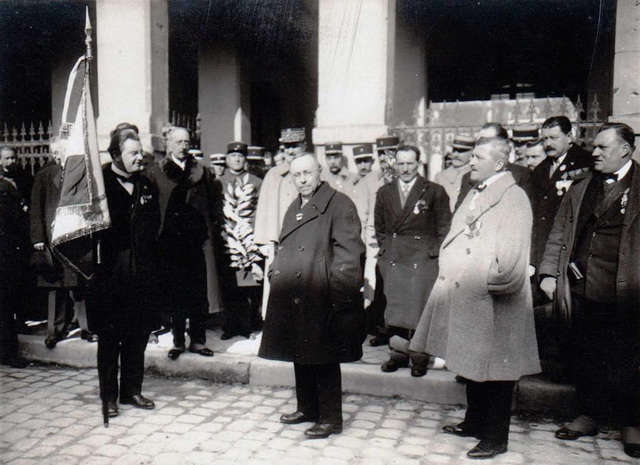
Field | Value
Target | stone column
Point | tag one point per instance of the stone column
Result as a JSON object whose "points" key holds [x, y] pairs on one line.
{"points": [[133, 67], [223, 98], [355, 70], [626, 70]]}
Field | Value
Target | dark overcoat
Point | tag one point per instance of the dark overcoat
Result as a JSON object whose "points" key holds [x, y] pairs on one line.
{"points": [[409, 240], [44, 202], [479, 316], [124, 293], [562, 240], [315, 279], [189, 230], [547, 194], [14, 236]]}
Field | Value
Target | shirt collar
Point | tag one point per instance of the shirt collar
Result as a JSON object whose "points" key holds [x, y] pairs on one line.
{"points": [[180, 163], [119, 172], [622, 172], [491, 180]]}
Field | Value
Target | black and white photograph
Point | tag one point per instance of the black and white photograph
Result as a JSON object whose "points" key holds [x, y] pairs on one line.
{"points": [[319, 232]]}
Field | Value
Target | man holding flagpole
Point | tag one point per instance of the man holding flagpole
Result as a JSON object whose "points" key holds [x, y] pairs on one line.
{"points": [[123, 293]]}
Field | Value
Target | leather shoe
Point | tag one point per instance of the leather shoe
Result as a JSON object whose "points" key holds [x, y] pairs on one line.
{"points": [[88, 336], [51, 342], [175, 353], [486, 450], [323, 430], [112, 409], [392, 365], [630, 437], [379, 341], [417, 371], [139, 401], [297, 417], [571, 434], [205, 352], [227, 335], [457, 430]]}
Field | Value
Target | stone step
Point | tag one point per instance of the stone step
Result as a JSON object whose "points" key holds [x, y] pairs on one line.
{"points": [[438, 386]]}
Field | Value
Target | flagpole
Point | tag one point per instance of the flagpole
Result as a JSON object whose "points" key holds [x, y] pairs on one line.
{"points": [[87, 66]]}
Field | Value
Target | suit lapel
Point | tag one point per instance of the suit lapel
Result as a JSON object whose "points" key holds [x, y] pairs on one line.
{"points": [[294, 218], [394, 198], [485, 201]]}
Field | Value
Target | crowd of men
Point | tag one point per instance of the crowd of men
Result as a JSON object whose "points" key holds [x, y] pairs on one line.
{"points": [[450, 268]]}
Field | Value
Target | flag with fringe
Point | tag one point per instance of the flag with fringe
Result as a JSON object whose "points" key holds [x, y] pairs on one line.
{"points": [[82, 209]]}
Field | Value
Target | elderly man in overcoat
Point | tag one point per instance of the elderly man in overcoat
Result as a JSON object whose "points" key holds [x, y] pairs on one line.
{"points": [[188, 203], [315, 316], [590, 268], [411, 219], [479, 317]]}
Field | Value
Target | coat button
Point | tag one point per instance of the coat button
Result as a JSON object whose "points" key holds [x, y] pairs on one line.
{"points": [[544, 198], [457, 285], [542, 218], [296, 300], [468, 251], [298, 274], [301, 248], [417, 238], [564, 247], [277, 272], [395, 235], [392, 263]]}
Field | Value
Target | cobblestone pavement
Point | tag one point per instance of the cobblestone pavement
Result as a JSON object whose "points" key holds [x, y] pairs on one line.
{"points": [[51, 415]]}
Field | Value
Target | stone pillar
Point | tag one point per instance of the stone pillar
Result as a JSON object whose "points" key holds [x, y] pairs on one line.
{"points": [[223, 98], [133, 67], [355, 70], [626, 70]]}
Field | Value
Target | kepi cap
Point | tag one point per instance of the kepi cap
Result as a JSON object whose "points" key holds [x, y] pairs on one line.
{"points": [[525, 133], [463, 143], [196, 153], [237, 147], [292, 136], [333, 148], [218, 158], [387, 142], [363, 151], [255, 153]]}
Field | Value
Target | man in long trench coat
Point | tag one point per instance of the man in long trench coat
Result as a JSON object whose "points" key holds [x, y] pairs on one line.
{"points": [[412, 218], [479, 316], [315, 316]]}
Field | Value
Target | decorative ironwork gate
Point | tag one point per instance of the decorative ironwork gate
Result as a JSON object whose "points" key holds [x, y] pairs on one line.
{"points": [[31, 145], [442, 121]]}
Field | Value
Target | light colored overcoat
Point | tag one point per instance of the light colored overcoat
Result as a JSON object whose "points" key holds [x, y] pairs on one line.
{"points": [[479, 317]]}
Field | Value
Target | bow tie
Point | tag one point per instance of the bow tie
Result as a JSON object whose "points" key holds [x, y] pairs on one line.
{"points": [[609, 178], [132, 178]]}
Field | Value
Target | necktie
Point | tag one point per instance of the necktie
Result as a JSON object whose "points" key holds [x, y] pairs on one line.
{"points": [[404, 189]]}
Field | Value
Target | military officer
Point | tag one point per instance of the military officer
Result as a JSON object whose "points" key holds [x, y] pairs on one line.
{"points": [[451, 178], [521, 136], [217, 164]]}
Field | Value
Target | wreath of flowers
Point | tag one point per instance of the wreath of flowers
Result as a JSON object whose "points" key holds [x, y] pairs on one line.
{"points": [[239, 207]]}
